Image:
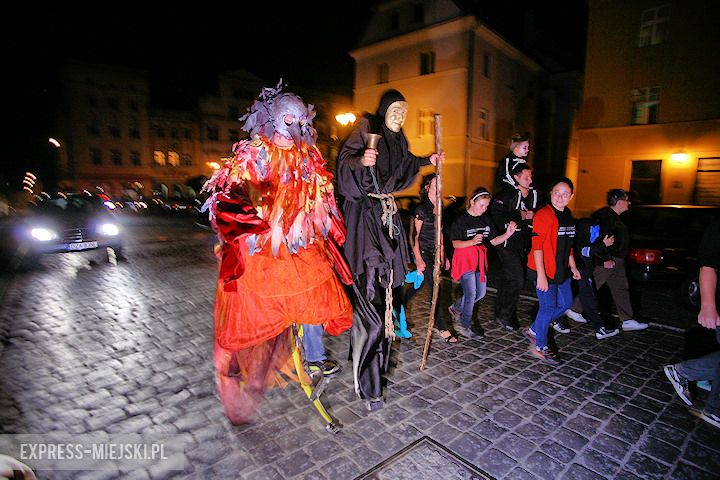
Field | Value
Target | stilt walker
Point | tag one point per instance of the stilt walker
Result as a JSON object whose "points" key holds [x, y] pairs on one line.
{"points": [[280, 269], [438, 243]]}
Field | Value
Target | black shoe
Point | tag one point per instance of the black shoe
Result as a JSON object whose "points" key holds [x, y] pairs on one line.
{"points": [[327, 367], [506, 326]]}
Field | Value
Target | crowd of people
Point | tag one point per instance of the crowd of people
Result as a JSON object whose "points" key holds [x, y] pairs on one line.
{"points": [[342, 258]]}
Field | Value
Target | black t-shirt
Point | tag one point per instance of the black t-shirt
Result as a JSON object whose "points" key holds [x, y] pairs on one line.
{"points": [[467, 226], [565, 241], [426, 239], [709, 252]]}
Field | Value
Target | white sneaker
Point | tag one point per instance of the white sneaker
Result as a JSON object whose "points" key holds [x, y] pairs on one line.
{"points": [[630, 325], [606, 333], [558, 327], [575, 316]]}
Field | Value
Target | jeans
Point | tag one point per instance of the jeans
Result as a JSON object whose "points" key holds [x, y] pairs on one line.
{"points": [[473, 291], [313, 343], [552, 305], [705, 368]]}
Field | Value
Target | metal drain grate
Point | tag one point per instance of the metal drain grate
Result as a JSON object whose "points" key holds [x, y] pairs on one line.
{"points": [[424, 459]]}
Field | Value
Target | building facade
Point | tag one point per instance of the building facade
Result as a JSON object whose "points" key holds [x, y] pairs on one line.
{"points": [[650, 114]]}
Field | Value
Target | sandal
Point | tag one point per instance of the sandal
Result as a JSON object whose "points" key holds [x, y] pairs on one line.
{"points": [[447, 336]]}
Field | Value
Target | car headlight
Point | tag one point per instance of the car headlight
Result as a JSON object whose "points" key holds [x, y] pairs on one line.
{"points": [[43, 234], [109, 229]]}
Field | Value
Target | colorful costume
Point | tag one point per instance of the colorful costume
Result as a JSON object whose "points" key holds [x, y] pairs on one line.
{"points": [[273, 208]]}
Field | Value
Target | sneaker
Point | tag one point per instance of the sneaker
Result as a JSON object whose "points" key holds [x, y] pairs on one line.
{"points": [[575, 316], [711, 418], [454, 313], [327, 367], [680, 383], [558, 327], [468, 332], [605, 333], [630, 325], [545, 355], [529, 334]]}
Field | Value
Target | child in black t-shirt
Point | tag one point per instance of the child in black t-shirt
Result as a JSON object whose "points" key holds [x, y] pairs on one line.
{"points": [[471, 232]]}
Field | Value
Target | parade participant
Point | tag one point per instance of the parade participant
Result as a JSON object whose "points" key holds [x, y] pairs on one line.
{"points": [[377, 247], [551, 258], [513, 205], [519, 148], [424, 247], [273, 208], [471, 233]]}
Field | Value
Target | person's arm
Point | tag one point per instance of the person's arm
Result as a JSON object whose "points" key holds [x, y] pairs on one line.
{"points": [[476, 240], [573, 267], [419, 262], [542, 281], [708, 316], [511, 228]]}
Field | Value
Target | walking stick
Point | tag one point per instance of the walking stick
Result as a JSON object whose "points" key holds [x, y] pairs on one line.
{"points": [[438, 242]]}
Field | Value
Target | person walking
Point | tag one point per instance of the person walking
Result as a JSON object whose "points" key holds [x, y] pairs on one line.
{"points": [[708, 366], [516, 205], [551, 258], [376, 248], [610, 262], [471, 233], [423, 245]]}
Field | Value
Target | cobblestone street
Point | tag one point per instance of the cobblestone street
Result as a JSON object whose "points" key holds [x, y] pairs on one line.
{"points": [[90, 347]]}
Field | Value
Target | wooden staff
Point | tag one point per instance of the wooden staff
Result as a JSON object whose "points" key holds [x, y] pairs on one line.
{"points": [[438, 242]]}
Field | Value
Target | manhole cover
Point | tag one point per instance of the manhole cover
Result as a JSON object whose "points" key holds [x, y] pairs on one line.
{"points": [[424, 459]]}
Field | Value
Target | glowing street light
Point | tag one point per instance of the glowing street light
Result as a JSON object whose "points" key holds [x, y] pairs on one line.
{"points": [[54, 142], [345, 118]]}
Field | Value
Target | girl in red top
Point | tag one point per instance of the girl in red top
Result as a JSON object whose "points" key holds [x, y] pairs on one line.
{"points": [[470, 233], [551, 257]]}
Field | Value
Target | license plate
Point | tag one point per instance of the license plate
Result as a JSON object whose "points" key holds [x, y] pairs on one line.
{"points": [[81, 246]]}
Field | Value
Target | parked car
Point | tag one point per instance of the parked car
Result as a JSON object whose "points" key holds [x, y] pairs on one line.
{"points": [[68, 222], [664, 242]]}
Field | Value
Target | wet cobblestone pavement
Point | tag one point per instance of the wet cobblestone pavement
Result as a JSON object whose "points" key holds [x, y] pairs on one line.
{"points": [[89, 347]]}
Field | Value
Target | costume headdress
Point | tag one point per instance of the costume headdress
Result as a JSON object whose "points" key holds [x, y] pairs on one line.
{"points": [[284, 113]]}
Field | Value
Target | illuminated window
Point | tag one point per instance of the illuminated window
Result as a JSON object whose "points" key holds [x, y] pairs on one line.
{"points": [[159, 157], [426, 122], [427, 63], [645, 104], [173, 158], [654, 26]]}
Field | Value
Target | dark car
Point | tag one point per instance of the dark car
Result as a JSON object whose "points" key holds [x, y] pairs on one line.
{"points": [[70, 222], [664, 242]]}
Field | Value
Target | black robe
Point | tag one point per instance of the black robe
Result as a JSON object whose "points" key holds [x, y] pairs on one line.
{"points": [[369, 249]]}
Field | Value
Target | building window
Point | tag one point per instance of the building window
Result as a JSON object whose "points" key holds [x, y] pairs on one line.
{"points": [[233, 135], [134, 131], [654, 26], [92, 101], [94, 129], [483, 124], [159, 132], [645, 181], [394, 21], [233, 112], [116, 157], [173, 158], [645, 104], [187, 133], [96, 156], [427, 63], [212, 133], [113, 103], [187, 160], [487, 65], [134, 107], [174, 133], [114, 131], [159, 157], [426, 122], [135, 158], [419, 13], [383, 73]]}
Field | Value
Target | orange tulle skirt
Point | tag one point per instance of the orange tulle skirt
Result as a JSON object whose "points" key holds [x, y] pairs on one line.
{"points": [[252, 337]]}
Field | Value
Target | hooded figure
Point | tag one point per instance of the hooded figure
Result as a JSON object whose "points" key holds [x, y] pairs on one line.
{"points": [[377, 247], [279, 229]]}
